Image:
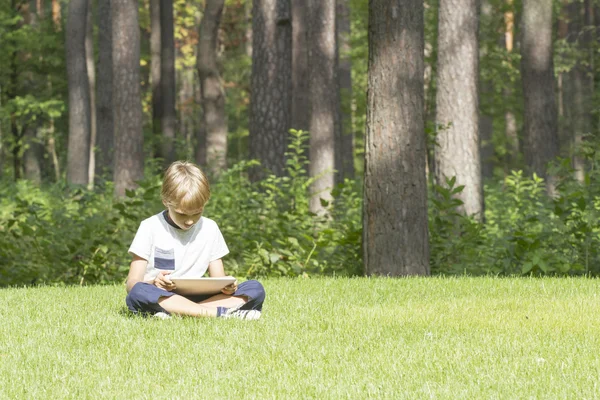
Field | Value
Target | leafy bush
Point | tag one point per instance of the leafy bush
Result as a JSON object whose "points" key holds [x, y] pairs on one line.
{"points": [[525, 232], [56, 235], [76, 236], [61, 235], [270, 230]]}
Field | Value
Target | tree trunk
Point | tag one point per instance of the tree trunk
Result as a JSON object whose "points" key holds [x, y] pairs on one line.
{"points": [[40, 8], [486, 120], [563, 86], [129, 138], [510, 120], [300, 71], [2, 149], [34, 151], [89, 55], [79, 94], [213, 94], [344, 155], [51, 148], [486, 129], [271, 87], [395, 233], [104, 102], [168, 118], [33, 155], [155, 47], [324, 100], [11, 93], [457, 102], [56, 15], [186, 109], [200, 155], [587, 74], [577, 84], [540, 116], [248, 22]]}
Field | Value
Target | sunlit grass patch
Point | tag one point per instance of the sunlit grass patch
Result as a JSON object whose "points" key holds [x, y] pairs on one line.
{"points": [[318, 338]]}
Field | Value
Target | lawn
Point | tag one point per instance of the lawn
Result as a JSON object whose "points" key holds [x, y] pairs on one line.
{"points": [[319, 338]]}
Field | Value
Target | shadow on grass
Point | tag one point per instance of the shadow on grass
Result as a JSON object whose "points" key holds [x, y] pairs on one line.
{"points": [[127, 313]]}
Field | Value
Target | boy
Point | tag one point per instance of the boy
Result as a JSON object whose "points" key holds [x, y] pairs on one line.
{"points": [[180, 242]]}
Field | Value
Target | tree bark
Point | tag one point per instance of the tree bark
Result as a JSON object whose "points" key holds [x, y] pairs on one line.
{"points": [[344, 155], [486, 129], [270, 105], [186, 109], [33, 155], [248, 33], [457, 102], [395, 232], [56, 15], [51, 148], [155, 47], [213, 94], [104, 102], [324, 100], [90, 62], [200, 155], [168, 118], [486, 120], [34, 151], [79, 94], [510, 120], [11, 93], [300, 118], [129, 139], [537, 71], [2, 148], [577, 84]]}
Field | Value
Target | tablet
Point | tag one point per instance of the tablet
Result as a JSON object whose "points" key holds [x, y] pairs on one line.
{"points": [[201, 285]]}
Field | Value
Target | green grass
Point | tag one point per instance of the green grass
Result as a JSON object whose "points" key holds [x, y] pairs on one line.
{"points": [[318, 338]]}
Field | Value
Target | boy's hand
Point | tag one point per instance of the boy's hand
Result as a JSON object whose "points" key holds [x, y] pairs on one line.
{"points": [[229, 289], [163, 281]]}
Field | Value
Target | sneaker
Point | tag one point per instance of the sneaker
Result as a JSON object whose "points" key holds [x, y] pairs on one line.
{"points": [[161, 315], [242, 314]]}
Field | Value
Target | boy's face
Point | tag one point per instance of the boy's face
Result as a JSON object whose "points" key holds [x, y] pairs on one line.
{"points": [[184, 219]]}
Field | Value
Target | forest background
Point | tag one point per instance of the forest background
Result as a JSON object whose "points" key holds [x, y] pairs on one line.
{"points": [[68, 209]]}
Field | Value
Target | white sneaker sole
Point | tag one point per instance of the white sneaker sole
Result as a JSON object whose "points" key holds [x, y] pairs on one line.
{"points": [[161, 315]]}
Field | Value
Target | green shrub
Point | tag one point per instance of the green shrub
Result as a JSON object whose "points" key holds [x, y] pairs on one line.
{"points": [[525, 232], [60, 235], [270, 230]]}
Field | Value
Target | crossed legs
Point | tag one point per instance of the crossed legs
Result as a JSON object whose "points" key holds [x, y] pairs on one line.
{"points": [[180, 305], [147, 298]]}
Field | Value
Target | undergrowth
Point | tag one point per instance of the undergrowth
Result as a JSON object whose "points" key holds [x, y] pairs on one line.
{"points": [[61, 235]]}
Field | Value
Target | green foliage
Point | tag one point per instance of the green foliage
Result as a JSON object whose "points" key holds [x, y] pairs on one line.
{"points": [[74, 236], [66, 236], [270, 229], [32, 81], [525, 232], [56, 235]]}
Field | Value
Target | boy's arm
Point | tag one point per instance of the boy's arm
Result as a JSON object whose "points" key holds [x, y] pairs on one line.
{"points": [[216, 270], [137, 269]]}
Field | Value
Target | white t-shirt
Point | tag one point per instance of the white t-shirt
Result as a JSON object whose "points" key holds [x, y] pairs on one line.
{"points": [[185, 252]]}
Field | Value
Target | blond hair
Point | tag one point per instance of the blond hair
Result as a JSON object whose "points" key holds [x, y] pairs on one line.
{"points": [[185, 187]]}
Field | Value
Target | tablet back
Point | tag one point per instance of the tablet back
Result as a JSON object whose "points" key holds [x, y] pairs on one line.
{"points": [[190, 286]]}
